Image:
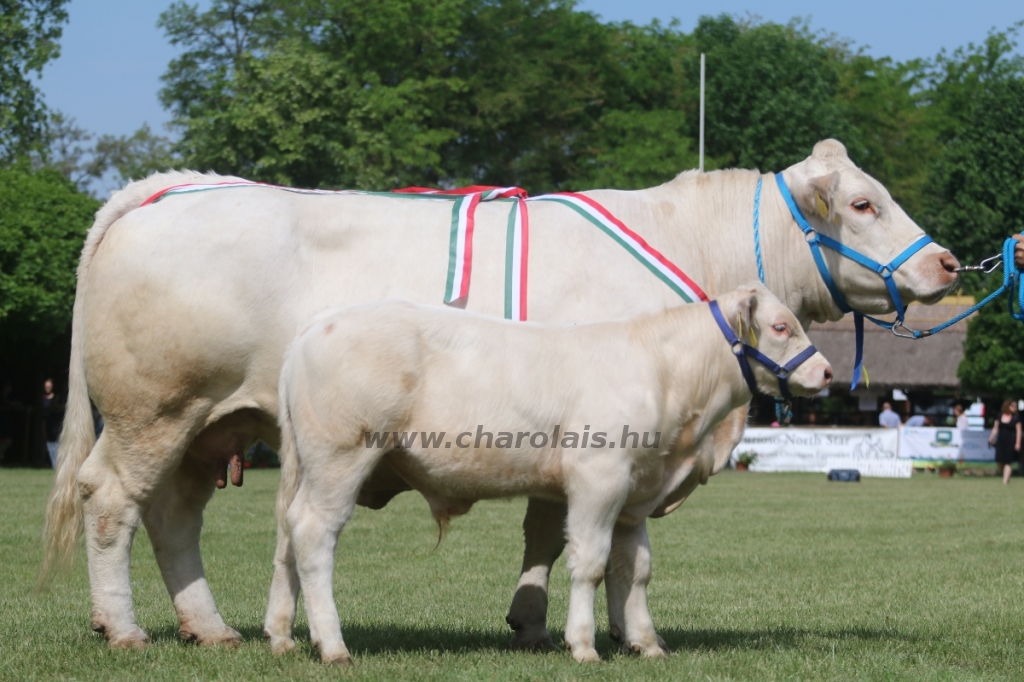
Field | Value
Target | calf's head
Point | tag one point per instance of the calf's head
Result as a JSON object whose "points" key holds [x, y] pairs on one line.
{"points": [[845, 203], [761, 320]]}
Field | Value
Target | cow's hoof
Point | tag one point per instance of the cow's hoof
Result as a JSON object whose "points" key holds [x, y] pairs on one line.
{"points": [[539, 642], [134, 638]]}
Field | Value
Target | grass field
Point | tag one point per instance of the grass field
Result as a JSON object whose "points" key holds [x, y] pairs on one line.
{"points": [[758, 576]]}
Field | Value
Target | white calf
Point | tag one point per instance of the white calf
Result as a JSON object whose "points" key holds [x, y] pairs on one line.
{"points": [[610, 417]]}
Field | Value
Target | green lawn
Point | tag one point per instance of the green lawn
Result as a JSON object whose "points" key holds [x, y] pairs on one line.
{"points": [[758, 576]]}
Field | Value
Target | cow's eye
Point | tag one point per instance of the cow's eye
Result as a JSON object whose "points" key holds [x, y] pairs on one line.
{"points": [[780, 328], [862, 205]]}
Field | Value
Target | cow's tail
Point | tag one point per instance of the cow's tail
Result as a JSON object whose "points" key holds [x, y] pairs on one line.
{"points": [[64, 512]]}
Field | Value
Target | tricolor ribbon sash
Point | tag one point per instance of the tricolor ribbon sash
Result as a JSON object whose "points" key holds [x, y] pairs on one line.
{"points": [[517, 239]]}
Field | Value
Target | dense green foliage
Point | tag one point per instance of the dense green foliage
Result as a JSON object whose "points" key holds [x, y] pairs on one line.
{"points": [[756, 577], [43, 220], [29, 30], [979, 181]]}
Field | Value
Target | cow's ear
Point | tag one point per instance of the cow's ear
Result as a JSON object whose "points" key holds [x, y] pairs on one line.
{"points": [[819, 197]]}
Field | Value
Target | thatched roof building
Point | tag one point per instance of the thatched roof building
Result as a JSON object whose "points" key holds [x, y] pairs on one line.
{"points": [[894, 362]]}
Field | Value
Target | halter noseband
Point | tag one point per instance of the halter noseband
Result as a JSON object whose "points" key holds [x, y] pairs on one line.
{"points": [[742, 351]]}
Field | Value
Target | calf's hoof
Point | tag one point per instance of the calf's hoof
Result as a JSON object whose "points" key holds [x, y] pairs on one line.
{"points": [[657, 650], [584, 654], [279, 644], [131, 638], [340, 661], [226, 637]]}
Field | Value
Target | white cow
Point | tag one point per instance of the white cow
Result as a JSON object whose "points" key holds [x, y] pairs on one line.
{"points": [[607, 416], [184, 309]]}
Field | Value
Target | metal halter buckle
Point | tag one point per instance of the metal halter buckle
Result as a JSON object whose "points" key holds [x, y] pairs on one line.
{"points": [[914, 334], [983, 265]]}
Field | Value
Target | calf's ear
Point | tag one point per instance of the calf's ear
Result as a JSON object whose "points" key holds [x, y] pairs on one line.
{"points": [[818, 198], [746, 307]]}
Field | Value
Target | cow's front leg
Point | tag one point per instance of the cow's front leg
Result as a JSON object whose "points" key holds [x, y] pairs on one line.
{"points": [[174, 521], [626, 578], [596, 496], [544, 534]]}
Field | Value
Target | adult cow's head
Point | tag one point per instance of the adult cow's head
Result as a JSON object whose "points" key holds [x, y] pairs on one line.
{"points": [[848, 205]]}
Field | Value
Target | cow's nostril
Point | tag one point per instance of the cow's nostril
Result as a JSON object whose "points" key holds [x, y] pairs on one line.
{"points": [[949, 262], [828, 375]]}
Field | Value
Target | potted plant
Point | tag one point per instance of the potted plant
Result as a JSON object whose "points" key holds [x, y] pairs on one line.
{"points": [[745, 459], [947, 468]]}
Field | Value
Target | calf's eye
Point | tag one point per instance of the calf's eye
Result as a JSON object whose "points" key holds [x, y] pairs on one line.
{"points": [[862, 205], [780, 328]]}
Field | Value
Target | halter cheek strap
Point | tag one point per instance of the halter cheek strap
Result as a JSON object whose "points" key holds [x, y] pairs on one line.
{"points": [[742, 351], [816, 240]]}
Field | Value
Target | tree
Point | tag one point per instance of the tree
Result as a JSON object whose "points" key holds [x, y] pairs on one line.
{"points": [[29, 30], [314, 93], [979, 179], [979, 182], [43, 221], [773, 92]]}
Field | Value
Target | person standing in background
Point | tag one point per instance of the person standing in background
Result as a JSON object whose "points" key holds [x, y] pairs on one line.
{"points": [[961, 417], [888, 418], [53, 418], [1005, 437]]}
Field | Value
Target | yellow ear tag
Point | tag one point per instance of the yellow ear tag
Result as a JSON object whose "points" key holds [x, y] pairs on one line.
{"points": [[752, 337], [867, 379], [822, 206], [739, 325]]}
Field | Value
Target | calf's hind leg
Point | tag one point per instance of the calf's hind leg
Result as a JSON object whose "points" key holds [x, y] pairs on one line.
{"points": [[174, 521], [322, 505]]}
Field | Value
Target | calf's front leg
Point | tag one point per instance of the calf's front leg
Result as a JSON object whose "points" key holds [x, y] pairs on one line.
{"points": [[596, 495], [626, 577]]}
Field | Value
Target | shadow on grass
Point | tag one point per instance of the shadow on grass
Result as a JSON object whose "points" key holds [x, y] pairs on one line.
{"points": [[374, 639], [771, 638]]}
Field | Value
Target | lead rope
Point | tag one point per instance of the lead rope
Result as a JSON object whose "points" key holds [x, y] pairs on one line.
{"points": [[783, 407]]}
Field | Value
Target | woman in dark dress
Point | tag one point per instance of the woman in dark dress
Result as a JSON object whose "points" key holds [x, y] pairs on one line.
{"points": [[1006, 437]]}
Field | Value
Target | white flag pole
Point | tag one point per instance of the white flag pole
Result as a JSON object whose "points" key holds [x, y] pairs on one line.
{"points": [[701, 112]]}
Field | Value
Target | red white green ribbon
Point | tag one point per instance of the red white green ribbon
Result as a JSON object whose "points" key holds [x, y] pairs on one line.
{"points": [[517, 249], [463, 222], [651, 258]]}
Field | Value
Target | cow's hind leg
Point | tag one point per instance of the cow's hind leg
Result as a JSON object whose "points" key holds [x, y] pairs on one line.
{"points": [[174, 520], [322, 505], [543, 531], [626, 578], [116, 482]]}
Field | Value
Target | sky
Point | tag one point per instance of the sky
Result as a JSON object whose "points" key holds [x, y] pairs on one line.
{"points": [[112, 54]]}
